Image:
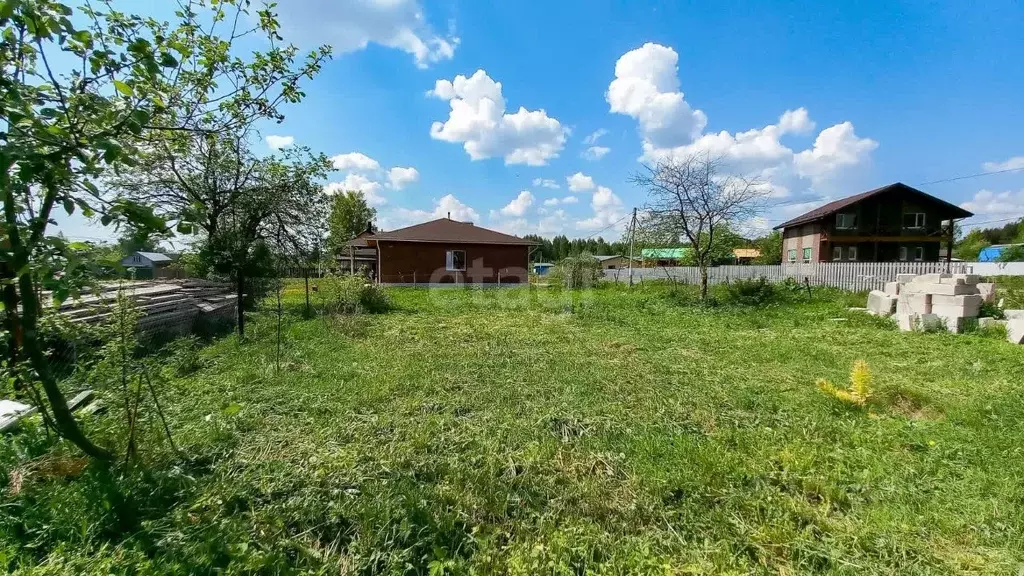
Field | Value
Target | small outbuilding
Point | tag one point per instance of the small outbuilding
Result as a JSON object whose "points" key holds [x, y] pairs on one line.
{"points": [[613, 262], [145, 264]]}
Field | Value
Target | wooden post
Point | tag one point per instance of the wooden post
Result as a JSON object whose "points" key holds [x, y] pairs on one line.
{"points": [[632, 234]]}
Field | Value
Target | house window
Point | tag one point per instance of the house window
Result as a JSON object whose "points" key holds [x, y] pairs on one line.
{"points": [[846, 221], [851, 253], [919, 253], [807, 255], [903, 253], [792, 255], [913, 220], [455, 261], [837, 253]]}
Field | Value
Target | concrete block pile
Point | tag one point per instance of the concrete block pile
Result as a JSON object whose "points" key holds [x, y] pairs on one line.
{"points": [[941, 301]]}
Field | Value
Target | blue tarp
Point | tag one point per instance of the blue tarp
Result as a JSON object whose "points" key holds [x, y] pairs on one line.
{"points": [[992, 253]]}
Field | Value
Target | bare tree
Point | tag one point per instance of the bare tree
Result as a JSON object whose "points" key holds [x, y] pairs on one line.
{"points": [[693, 200]]}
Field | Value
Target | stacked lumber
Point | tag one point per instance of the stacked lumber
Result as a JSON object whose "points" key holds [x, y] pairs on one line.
{"points": [[163, 305]]}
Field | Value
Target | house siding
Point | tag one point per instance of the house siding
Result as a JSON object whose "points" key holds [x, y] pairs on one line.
{"points": [[424, 263], [800, 237]]}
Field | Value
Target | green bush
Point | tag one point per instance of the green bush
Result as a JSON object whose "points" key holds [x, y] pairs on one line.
{"points": [[352, 294], [751, 292], [579, 271], [990, 310]]}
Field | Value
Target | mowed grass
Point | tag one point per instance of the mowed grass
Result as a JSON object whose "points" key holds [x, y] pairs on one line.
{"points": [[535, 431]]}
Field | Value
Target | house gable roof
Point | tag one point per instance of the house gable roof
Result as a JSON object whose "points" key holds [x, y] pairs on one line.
{"points": [[899, 187], [154, 256], [449, 231]]}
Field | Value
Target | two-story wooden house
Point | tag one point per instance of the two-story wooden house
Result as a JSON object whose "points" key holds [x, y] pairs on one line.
{"points": [[888, 224]]}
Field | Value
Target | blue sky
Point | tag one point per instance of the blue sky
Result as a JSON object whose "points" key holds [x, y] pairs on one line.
{"points": [[818, 100]]}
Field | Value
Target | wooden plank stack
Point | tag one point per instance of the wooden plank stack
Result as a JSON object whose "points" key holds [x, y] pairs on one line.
{"points": [[164, 305]]}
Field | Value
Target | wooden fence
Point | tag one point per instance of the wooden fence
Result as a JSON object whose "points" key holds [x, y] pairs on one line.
{"points": [[855, 276]]}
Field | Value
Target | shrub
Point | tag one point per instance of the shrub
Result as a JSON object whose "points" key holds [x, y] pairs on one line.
{"points": [[373, 299], [990, 310], [352, 294], [751, 292], [580, 271]]}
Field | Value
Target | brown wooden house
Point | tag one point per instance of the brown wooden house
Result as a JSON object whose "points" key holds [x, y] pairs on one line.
{"points": [[888, 224], [445, 251]]}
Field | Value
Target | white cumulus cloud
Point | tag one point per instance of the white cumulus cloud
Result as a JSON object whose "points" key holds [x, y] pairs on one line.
{"points": [[563, 200], [647, 88], [357, 182], [478, 120], [988, 203], [835, 148], [607, 210], [1015, 163], [350, 25], [519, 205], [594, 136], [546, 183], [447, 205], [355, 162], [278, 142], [580, 182], [400, 177], [596, 152]]}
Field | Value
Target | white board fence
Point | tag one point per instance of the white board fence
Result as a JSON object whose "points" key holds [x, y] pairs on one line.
{"points": [[855, 276]]}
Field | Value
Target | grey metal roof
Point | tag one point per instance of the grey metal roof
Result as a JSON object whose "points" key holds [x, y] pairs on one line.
{"points": [[155, 256]]}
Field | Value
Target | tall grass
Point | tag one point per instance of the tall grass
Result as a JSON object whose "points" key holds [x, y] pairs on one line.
{"points": [[492, 431]]}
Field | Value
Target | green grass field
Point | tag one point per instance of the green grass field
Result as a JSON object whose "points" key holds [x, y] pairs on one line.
{"points": [[541, 432]]}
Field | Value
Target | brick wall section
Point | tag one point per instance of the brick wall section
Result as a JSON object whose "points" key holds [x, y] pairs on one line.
{"points": [[424, 262]]}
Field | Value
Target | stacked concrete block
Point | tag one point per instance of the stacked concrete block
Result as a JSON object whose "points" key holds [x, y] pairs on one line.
{"points": [[907, 321], [881, 304], [966, 305], [892, 288], [912, 303], [990, 322], [1015, 330], [987, 291], [1013, 314], [932, 301]]}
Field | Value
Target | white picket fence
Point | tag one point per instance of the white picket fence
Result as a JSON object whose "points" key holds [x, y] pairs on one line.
{"points": [[854, 276]]}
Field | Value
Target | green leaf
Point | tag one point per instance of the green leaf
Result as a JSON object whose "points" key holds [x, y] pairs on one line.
{"points": [[69, 206], [123, 88], [184, 228], [167, 60], [232, 409]]}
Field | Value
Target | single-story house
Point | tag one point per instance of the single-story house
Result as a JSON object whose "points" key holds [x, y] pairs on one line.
{"points": [[613, 262], [662, 256], [445, 251], [888, 224]]}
